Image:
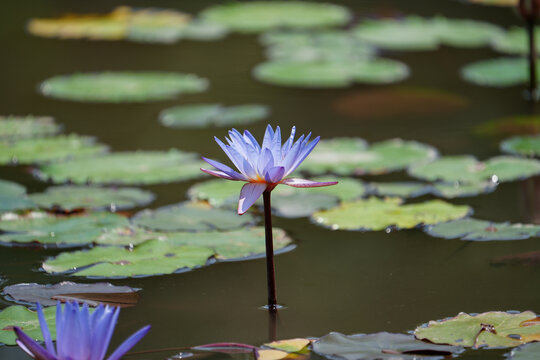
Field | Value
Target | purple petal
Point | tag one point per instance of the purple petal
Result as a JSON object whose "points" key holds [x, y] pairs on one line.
{"points": [[101, 336], [275, 146], [275, 174], [248, 195], [303, 154], [289, 143], [251, 139], [224, 168], [227, 150], [221, 174], [266, 161], [268, 137], [303, 183], [45, 330], [31, 347], [129, 343]]}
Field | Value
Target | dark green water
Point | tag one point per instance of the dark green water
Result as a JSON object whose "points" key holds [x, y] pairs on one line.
{"points": [[350, 282]]}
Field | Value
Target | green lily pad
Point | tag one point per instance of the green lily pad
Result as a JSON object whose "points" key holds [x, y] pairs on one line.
{"points": [[13, 197], [155, 25], [379, 346], [203, 115], [71, 197], [465, 33], [467, 169], [256, 16], [62, 147], [347, 156], [191, 217], [204, 31], [378, 214], [138, 167], [27, 320], [400, 189], [522, 145], [330, 74], [525, 352], [487, 330], [24, 127], [48, 230], [514, 41], [481, 230], [498, 72], [300, 204], [9, 188], [217, 192], [444, 190], [454, 190], [122, 86], [515, 125]]}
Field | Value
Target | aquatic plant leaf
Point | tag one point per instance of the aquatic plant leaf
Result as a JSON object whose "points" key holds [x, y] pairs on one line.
{"points": [[289, 345], [256, 16], [454, 190], [216, 192], [92, 294], [204, 31], [514, 41], [57, 148], [525, 352], [515, 125], [347, 156], [439, 189], [465, 33], [71, 197], [374, 214], [122, 86], [138, 167], [487, 330], [156, 25], [47, 230], [522, 145], [482, 230], [24, 127], [467, 169], [203, 115], [301, 203], [379, 346], [27, 320], [498, 72], [9, 188], [191, 216], [400, 189], [13, 197]]}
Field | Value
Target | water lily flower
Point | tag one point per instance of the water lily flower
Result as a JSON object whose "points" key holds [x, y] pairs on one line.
{"points": [[80, 335], [264, 166]]}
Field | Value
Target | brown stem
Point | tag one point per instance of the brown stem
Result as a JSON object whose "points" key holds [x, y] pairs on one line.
{"points": [[532, 59], [270, 269]]}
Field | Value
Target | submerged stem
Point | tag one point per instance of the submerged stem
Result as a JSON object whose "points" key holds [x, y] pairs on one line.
{"points": [[270, 269]]}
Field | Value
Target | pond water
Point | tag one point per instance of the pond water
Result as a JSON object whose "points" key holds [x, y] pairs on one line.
{"points": [[351, 282]]}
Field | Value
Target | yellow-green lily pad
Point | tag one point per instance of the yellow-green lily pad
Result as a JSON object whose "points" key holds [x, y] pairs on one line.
{"points": [[522, 145], [514, 41], [24, 127], [498, 72], [525, 352], [27, 320]]}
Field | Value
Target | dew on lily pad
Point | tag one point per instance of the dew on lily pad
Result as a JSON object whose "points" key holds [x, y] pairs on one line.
{"points": [[24, 127], [203, 115], [522, 145], [482, 230], [138, 167], [525, 352], [486, 330], [18, 315], [498, 72], [122, 86], [374, 214], [514, 41], [257, 16], [48, 149]]}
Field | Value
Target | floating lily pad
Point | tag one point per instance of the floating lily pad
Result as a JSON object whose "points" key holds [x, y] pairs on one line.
{"points": [[454, 190], [445, 190], [379, 214], [27, 320], [62, 147], [256, 16], [481, 230], [39, 228], [139, 167], [522, 145], [400, 189], [379, 346], [24, 127], [514, 41], [122, 86], [290, 345], [204, 31], [13, 197], [92, 294], [191, 217], [301, 204], [498, 72], [155, 25], [9, 188], [516, 125], [465, 33], [198, 116], [525, 352], [217, 192], [71, 197], [347, 156], [487, 330], [467, 169]]}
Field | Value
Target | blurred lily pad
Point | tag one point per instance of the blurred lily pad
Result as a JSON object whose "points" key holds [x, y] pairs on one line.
{"points": [[487, 330], [525, 352], [374, 214], [13, 197], [457, 189], [138, 167], [482, 230], [464, 32], [191, 217], [24, 127], [522, 145], [445, 190], [122, 86], [467, 169], [514, 41], [47, 230], [9, 188], [498, 72], [216, 192], [400, 189], [27, 320], [62, 147], [379, 346], [256, 16], [300, 204], [203, 115], [71, 197], [347, 156], [518, 125]]}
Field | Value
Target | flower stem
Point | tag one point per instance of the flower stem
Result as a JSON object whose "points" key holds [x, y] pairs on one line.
{"points": [[532, 59], [270, 269]]}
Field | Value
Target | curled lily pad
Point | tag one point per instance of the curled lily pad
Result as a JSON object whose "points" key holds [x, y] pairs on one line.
{"points": [[379, 346], [378, 214], [468, 169], [62, 147], [514, 41], [481, 230], [487, 330], [256, 16], [522, 145], [525, 352], [198, 116], [138, 167], [122, 86], [43, 229], [191, 217], [23, 127], [71, 197], [498, 72], [27, 320]]}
